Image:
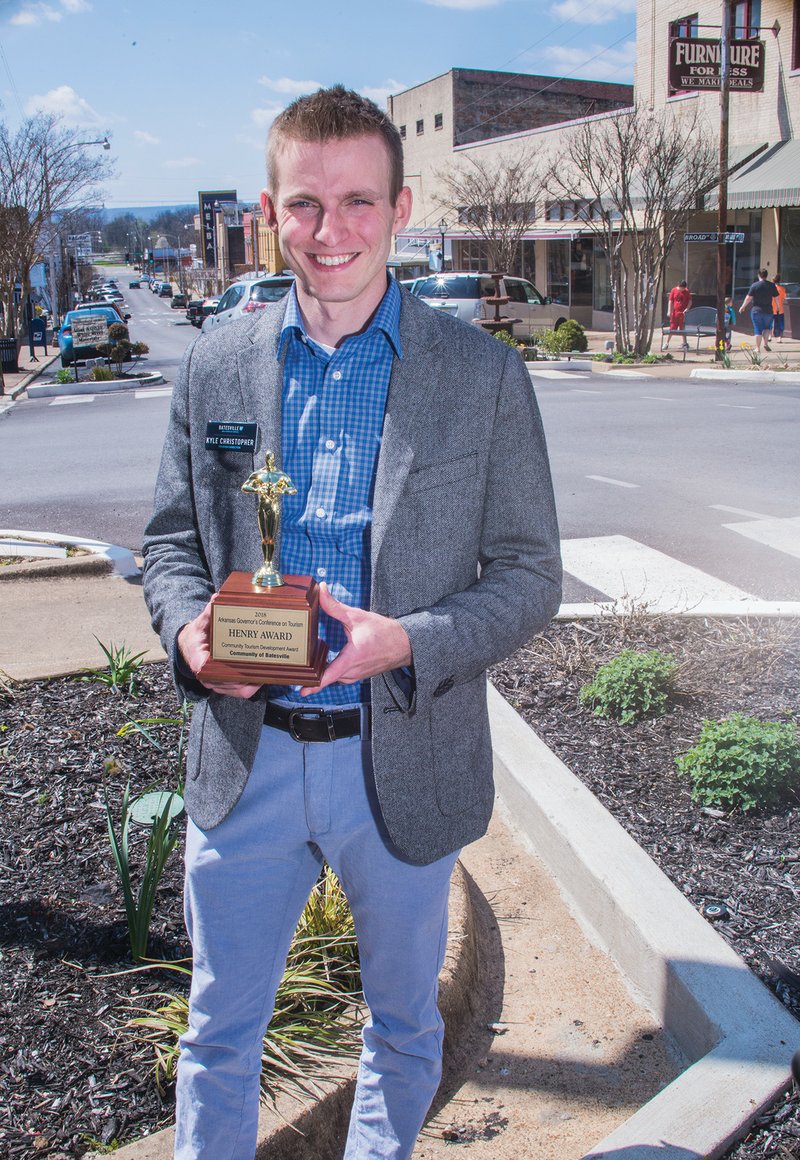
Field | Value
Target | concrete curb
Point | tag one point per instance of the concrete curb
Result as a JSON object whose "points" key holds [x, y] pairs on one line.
{"points": [[16, 391], [764, 376], [560, 364], [738, 1037], [320, 1130], [122, 560], [86, 387]]}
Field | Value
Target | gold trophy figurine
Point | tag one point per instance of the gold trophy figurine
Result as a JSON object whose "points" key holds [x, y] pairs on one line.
{"points": [[270, 485]]}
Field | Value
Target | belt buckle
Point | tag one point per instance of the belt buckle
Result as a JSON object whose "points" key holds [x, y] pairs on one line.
{"points": [[309, 715]]}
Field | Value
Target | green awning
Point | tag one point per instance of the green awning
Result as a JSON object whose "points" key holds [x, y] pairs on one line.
{"points": [[772, 179]]}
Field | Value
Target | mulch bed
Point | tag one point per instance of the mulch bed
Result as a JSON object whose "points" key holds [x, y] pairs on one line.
{"points": [[750, 863], [69, 1073]]}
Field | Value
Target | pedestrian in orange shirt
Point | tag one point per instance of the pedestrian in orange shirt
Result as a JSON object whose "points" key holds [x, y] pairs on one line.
{"points": [[779, 306]]}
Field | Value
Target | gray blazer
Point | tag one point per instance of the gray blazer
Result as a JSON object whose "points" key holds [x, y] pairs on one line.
{"points": [[464, 551]]}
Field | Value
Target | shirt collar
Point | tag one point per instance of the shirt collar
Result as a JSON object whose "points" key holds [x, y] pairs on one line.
{"points": [[385, 318]]}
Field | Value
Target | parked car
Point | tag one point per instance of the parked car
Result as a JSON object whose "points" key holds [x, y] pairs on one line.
{"points": [[69, 353], [134, 284], [165, 290], [145, 278], [179, 301], [248, 296], [112, 295], [464, 295], [194, 311], [123, 317]]}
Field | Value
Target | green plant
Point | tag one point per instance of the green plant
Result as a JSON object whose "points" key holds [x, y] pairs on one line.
{"points": [[724, 355], [569, 336], [147, 727], [118, 332], [64, 375], [754, 357], [123, 666], [650, 359], [101, 375], [506, 337], [631, 686], [161, 841], [317, 1013], [741, 761]]}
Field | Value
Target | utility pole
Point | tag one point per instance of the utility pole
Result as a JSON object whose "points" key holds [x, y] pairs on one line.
{"points": [[722, 205]]}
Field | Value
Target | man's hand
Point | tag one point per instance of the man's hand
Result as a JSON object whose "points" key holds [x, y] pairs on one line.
{"points": [[375, 644], [193, 644]]}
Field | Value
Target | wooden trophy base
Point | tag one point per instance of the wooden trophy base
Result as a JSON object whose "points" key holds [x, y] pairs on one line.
{"points": [[265, 636]]}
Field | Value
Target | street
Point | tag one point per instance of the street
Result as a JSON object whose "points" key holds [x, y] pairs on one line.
{"points": [[651, 472]]}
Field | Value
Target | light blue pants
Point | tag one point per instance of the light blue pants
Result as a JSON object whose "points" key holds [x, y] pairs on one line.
{"points": [[247, 881]]}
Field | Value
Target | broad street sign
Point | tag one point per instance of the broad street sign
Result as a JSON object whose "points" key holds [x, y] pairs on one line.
{"points": [[730, 237], [695, 64]]}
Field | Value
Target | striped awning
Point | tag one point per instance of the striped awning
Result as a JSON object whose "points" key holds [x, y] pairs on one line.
{"points": [[772, 179]]}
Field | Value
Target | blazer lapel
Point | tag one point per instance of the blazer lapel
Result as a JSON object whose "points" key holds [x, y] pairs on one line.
{"points": [[413, 378]]}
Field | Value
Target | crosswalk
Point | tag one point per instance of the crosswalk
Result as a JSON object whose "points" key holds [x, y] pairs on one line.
{"points": [[629, 574], [143, 394]]}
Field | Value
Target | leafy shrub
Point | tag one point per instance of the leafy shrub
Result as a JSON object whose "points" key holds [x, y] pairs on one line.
{"points": [[64, 375], [101, 375], [742, 761], [631, 686], [507, 338], [569, 336], [118, 332]]}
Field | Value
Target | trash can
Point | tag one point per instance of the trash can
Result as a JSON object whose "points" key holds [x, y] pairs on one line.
{"points": [[8, 356]]}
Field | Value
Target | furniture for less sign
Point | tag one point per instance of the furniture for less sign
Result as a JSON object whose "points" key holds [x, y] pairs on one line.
{"points": [[696, 64]]}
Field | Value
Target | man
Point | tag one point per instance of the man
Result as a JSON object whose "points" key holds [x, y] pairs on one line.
{"points": [[680, 299], [760, 296], [424, 504]]}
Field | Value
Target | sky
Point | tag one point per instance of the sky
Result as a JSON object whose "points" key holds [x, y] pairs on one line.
{"points": [[187, 89]]}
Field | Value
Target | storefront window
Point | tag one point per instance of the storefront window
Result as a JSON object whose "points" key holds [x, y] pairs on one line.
{"points": [[582, 265], [789, 254], [558, 258], [602, 299], [748, 255]]}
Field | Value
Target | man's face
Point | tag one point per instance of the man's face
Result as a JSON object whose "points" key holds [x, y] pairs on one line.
{"points": [[334, 219]]}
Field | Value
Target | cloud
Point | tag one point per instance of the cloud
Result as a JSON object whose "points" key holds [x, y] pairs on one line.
{"points": [[611, 64], [181, 163], [263, 117], [600, 12], [288, 86], [38, 12], [66, 104], [465, 5], [146, 138], [380, 93]]}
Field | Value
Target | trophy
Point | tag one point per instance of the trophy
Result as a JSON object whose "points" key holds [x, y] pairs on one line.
{"points": [[264, 625]]}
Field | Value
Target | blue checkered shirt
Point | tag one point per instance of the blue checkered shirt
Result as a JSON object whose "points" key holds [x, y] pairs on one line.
{"points": [[333, 408]]}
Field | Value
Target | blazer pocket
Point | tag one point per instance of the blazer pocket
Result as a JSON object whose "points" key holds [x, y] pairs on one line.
{"points": [[462, 749], [443, 474]]}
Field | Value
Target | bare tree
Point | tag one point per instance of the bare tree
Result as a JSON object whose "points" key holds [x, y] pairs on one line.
{"points": [[495, 201], [46, 177], [633, 180]]}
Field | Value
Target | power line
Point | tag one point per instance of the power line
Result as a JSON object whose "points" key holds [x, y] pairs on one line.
{"points": [[11, 79]]}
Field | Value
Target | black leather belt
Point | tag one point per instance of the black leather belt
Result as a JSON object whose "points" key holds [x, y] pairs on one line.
{"points": [[312, 724]]}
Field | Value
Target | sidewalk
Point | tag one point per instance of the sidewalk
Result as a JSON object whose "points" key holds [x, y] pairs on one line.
{"points": [[29, 369]]}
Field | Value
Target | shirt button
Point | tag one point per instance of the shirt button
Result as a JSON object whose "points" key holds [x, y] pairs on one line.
{"points": [[329, 444], [322, 571], [320, 513], [337, 375]]}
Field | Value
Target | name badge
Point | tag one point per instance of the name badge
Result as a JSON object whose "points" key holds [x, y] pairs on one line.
{"points": [[231, 437]]}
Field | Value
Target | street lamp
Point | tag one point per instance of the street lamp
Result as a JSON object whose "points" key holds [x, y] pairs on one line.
{"points": [[106, 144], [442, 231]]}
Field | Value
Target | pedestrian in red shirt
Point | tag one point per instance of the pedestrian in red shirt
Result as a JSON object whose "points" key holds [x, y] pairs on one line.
{"points": [[680, 299]]}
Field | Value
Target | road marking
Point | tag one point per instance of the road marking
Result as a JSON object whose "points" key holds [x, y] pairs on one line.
{"points": [[737, 406], [61, 400], [558, 374], [625, 374], [616, 482], [578, 391], [781, 534], [658, 398], [721, 507], [626, 570], [154, 393]]}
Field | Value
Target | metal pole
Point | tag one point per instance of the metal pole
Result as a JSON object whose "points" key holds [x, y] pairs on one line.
{"points": [[722, 206]]}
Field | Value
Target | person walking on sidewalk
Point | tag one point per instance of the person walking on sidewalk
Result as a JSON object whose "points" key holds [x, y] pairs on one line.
{"points": [[779, 307], [680, 299], [761, 297], [424, 501]]}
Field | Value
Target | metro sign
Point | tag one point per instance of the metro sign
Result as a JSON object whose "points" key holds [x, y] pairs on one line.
{"points": [[695, 64]]}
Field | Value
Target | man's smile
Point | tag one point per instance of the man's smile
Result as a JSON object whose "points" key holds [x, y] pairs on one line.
{"points": [[332, 259]]}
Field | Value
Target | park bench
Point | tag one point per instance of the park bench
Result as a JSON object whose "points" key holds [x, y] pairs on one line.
{"points": [[699, 322]]}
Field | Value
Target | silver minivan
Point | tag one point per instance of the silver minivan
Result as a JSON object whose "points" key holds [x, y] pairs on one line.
{"points": [[464, 295], [248, 296]]}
